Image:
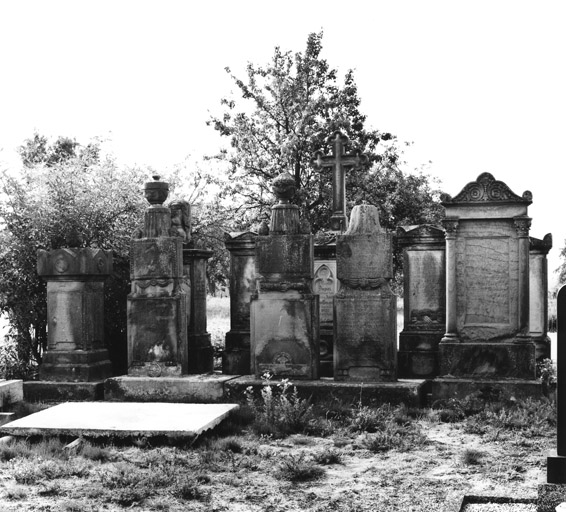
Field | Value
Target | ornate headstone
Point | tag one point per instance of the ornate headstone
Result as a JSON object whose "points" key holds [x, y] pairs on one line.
{"points": [[424, 300], [365, 312], [284, 311], [339, 161], [236, 356], [538, 292], [75, 314], [158, 302], [487, 284]]}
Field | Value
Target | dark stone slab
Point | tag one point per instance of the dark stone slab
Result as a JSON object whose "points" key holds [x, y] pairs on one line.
{"points": [[48, 391], [443, 389]]}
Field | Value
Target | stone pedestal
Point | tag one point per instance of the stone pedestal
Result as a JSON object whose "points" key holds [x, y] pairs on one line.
{"points": [[75, 314], [487, 284], [200, 353], [538, 293], [158, 302], [236, 357], [424, 300], [284, 312], [365, 309], [325, 284]]}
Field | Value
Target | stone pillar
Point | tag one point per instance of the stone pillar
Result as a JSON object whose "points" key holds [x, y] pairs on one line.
{"points": [[424, 300], [451, 228], [365, 309], [236, 357], [199, 353], [75, 314], [538, 290], [157, 303], [523, 224], [325, 284], [284, 311]]}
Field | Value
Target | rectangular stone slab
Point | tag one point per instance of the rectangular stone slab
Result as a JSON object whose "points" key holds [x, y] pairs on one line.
{"points": [[121, 419]]}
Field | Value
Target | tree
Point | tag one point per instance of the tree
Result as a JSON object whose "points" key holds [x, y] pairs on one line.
{"points": [[50, 200], [290, 108]]}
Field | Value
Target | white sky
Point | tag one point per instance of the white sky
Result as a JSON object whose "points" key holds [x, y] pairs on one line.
{"points": [[477, 85]]}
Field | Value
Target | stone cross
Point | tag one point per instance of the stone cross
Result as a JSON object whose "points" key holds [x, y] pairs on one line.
{"points": [[339, 161]]}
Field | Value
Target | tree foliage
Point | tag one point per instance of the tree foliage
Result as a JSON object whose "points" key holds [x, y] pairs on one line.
{"points": [[290, 108], [51, 200]]}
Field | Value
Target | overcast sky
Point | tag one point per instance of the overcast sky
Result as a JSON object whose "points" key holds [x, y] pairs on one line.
{"points": [[477, 86]]}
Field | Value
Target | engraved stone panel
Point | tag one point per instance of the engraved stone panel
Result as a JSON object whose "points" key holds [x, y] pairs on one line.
{"points": [[370, 259], [156, 257], [289, 255], [426, 285], [325, 285]]}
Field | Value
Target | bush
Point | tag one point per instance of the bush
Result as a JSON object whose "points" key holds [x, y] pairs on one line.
{"points": [[299, 469]]}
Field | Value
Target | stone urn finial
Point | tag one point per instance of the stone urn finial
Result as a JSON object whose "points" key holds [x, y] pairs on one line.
{"points": [[156, 191], [283, 186]]}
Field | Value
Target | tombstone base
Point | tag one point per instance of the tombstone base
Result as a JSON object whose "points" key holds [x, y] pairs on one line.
{"points": [[201, 354], [75, 366], [542, 348], [444, 388], [496, 361], [49, 391], [550, 496], [556, 469], [326, 351], [236, 355], [418, 354]]}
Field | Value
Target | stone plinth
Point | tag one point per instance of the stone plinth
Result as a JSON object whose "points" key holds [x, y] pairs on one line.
{"points": [[284, 312], [76, 351], [158, 301], [538, 295], [200, 352], [325, 284], [236, 357], [365, 326], [487, 284], [424, 300]]}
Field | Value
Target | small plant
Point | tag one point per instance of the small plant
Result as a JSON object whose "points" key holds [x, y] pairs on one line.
{"points": [[329, 457], [229, 444], [15, 494], [188, 488], [96, 453], [298, 469], [471, 456], [546, 371]]}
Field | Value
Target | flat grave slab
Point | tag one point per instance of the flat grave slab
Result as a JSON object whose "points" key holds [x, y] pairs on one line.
{"points": [[97, 419]]}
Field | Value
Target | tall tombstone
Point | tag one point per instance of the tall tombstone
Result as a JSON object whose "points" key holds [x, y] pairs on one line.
{"points": [[284, 311], [424, 300], [158, 301], [200, 353], [538, 299], [325, 284], [487, 284], [76, 351], [365, 309], [236, 356]]}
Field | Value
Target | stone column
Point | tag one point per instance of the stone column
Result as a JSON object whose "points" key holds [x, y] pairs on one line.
{"points": [[236, 357], [284, 311], [523, 225], [200, 351], [365, 309], [424, 300], [75, 314], [451, 228], [538, 291]]}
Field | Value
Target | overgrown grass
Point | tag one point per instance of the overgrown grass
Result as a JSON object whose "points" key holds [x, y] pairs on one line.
{"points": [[299, 469]]}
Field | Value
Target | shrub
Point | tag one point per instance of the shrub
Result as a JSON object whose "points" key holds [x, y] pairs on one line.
{"points": [[471, 456], [298, 469], [328, 457]]}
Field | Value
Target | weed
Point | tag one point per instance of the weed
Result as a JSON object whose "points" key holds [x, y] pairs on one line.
{"points": [[188, 488], [298, 469], [229, 444], [471, 456], [96, 453], [49, 489], [15, 494], [328, 457], [302, 441], [31, 472]]}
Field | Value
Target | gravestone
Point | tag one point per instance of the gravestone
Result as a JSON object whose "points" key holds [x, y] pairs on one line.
{"points": [[325, 284], [284, 311], [365, 309], [236, 356], [158, 301], [424, 300], [538, 294], [199, 351], [487, 284], [76, 351]]}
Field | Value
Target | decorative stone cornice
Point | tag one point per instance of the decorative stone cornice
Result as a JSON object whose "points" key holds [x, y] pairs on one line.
{"points": [[522, 225], [450, 227], [486, 189], [421, 234], [544, 245], [74, 262]]}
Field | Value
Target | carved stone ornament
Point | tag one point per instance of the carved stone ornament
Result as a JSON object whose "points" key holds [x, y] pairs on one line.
{"points": [[522, 225], [283, 186], [156, 191], [450, 227], [487, 189], [363, 283]]}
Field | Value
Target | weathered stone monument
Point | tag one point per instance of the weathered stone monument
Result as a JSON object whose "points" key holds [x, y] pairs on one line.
{"points": [[487, 288], [365, 324], [424, 300], [538, 303], [236, 356], [284, 311], [76, 350], [158, 302]]}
